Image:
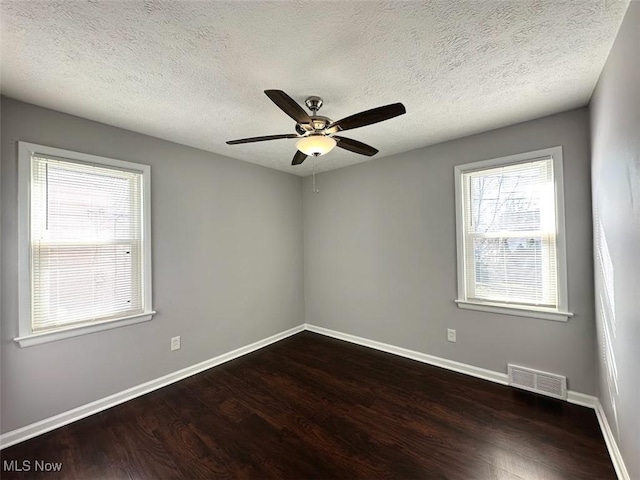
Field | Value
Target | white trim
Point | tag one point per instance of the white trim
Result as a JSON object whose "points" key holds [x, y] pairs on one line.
{"points": [[25, 152], [582, 399], [43, 426], [478, 372], [612, 445], [51, 423], [561, 230], [62, 154], [24, 238], [75, 331], [460, 246], [516, 310], [562, 313], [575, 398]]}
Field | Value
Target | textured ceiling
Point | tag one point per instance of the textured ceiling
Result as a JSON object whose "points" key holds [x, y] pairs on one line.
{"points": [[194, 72]]}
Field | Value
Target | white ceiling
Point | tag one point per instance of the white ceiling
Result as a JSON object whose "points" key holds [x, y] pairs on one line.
{"points": [[193, 72]]}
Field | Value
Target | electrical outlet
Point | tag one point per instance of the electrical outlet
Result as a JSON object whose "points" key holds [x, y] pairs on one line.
{"points": [[175, 343], [451, 335]]}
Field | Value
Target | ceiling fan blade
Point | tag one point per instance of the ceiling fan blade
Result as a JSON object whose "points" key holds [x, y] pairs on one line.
{"points": [[262, 139], [289, 106], [298, 158], [367, 117], [355, 146]]}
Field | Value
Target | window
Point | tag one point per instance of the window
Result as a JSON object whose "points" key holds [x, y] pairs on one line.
{"points": [[510, 227], [85, 257]]}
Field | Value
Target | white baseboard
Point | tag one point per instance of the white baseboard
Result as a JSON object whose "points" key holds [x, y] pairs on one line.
{"points": [[583, 399], [48, 424], [576, 398], [612, 445], [491, 375], [478, 372], [51, 423]]}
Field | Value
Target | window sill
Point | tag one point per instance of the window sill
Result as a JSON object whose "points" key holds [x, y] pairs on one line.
{"points": [[532, 312], [45, 337]]}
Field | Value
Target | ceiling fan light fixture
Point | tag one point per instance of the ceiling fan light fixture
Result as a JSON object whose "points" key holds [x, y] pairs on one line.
{"points": [[316, 145]]}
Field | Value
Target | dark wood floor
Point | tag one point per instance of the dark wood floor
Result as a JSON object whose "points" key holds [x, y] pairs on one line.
{"points": [[314, 407]]}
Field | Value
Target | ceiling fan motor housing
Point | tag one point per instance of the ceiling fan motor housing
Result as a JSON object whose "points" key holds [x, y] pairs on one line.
{"points": [[319, 123]]}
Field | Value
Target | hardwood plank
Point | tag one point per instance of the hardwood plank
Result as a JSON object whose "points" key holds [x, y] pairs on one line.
{"points": [[314, 407]]}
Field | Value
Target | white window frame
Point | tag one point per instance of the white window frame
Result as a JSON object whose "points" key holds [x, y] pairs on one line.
{"points": [[561, 313], [26, 336]]}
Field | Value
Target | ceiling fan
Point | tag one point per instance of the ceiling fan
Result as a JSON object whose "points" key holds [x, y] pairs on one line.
{"points": [[316, 133]]}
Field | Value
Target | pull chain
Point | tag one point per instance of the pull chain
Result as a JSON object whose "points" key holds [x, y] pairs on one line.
{"points": [[315, 190]]}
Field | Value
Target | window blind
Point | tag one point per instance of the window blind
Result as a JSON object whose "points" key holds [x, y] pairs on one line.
{"points": [[510, 234], [86, 243]]}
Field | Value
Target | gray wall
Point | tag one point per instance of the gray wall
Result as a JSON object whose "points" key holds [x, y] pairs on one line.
{"points": [[227, 266], [380, 255], [615, 134]]}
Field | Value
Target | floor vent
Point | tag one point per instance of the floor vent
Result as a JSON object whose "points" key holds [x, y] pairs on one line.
{"points": [[536, 381]]}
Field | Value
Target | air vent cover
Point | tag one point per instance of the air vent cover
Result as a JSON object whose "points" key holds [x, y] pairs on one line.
{"points": [[537, 381]]}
